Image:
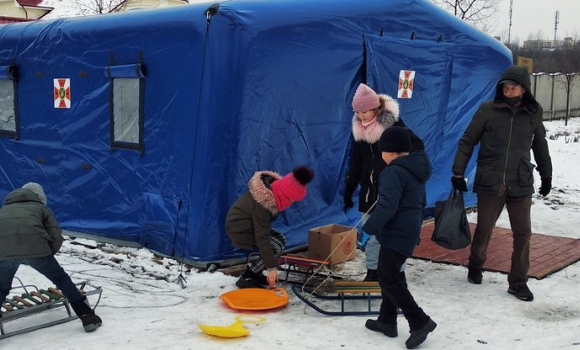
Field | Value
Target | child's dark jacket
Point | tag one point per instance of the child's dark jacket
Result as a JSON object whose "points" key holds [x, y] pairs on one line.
{"points": [[398, 216]]}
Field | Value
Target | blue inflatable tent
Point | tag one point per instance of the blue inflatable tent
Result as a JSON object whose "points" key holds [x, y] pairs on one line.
{"points": [[145, 126]]}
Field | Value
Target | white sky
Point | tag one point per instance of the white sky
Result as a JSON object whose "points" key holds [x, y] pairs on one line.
{"points": [[531, 16], [141, 311]]}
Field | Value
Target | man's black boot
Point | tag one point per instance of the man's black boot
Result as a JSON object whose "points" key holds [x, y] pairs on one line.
{"points": [[474, 275]]}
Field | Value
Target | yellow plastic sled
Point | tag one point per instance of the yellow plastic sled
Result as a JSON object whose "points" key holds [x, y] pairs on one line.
{"points": [[235, 330]]}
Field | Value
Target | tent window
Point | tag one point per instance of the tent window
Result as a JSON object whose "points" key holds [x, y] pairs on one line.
{"points": [[8, 115], [126, 110], [127, 87]]}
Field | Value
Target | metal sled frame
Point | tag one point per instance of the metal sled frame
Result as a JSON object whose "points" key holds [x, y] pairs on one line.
{"points": [[35, 300], [343, 294]]}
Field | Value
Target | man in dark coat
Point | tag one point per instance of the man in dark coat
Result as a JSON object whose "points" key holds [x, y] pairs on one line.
{"points": [[30, 235], [507, 129]]}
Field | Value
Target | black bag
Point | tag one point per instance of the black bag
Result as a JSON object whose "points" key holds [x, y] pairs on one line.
{"points": [[451, 225]]}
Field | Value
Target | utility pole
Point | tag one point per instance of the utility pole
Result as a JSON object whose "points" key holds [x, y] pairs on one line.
{"points": [[510, 25], [556, 21]]}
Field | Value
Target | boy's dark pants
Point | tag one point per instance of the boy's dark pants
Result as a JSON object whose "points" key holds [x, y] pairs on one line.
{"points": [[395, 293], [489, 208], [46, 265]]}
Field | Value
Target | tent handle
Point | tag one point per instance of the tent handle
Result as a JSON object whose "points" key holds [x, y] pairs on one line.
{"points": [[212, 10]]}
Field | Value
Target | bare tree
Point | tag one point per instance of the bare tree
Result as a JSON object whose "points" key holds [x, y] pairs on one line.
{"points": [[539, 35], [568, 58], [97, 7], [479, 13]]}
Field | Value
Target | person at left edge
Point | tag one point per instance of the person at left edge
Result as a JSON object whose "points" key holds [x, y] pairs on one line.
{"points": [[30, 235]]}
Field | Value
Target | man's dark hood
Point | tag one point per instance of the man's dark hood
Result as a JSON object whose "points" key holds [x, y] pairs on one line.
{"points": [[521, 76]]}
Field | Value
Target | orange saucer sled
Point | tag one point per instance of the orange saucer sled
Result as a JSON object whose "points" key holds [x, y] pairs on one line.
{"points": [[253, 299]]}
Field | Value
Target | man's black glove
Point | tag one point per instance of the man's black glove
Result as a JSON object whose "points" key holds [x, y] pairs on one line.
{"points": [[545, 187], [459, 183], [348, 201]]}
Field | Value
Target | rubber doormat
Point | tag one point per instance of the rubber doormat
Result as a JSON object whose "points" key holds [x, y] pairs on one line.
{"points": [[548, 254]]}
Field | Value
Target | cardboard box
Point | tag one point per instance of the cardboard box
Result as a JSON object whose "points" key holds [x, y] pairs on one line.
{"points": [[335, 243]]}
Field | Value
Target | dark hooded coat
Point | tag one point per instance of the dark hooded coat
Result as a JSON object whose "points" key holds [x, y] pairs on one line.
{"points": [[28, 228], [506, 135]]}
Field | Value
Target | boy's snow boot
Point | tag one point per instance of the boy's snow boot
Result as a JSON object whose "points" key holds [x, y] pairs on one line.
{"points": [[371, 276], [87, 316], [420, 335], [388, 329]]}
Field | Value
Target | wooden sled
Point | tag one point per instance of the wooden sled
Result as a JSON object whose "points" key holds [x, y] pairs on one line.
{"points": [[303, 266], [345, 291], [35, 300]]}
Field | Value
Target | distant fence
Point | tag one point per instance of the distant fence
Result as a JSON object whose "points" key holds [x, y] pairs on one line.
{"points": [[550, 91]]}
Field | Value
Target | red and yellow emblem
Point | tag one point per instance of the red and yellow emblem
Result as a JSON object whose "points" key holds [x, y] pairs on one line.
{"points": [[406, 81], [61, 93]]}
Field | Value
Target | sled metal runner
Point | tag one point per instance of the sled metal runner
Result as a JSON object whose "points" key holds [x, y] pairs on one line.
{"points": [[34, 301], [345, 291]]}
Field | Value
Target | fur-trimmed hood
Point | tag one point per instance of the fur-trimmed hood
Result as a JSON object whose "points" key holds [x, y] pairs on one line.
{"points": [[389, 115], [259, 188]]}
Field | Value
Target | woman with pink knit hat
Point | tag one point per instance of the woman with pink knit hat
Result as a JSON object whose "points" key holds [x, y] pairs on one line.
{"points": [[249, 220], [374, 113]]}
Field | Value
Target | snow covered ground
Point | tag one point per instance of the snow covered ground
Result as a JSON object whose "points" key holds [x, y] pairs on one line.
{"points": [[143, 308]]}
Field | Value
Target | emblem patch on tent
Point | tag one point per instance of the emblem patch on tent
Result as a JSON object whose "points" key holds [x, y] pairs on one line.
{"points": [[61, 93], [406, 81]]}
